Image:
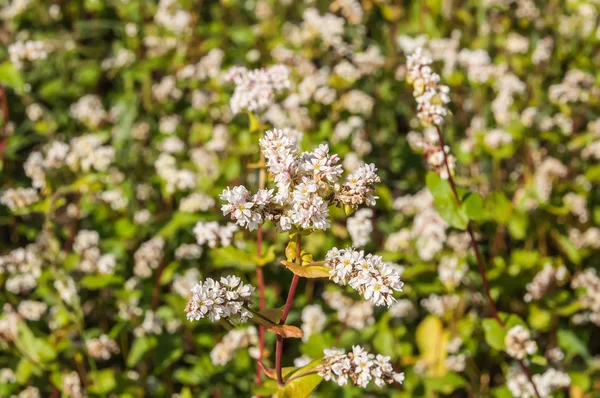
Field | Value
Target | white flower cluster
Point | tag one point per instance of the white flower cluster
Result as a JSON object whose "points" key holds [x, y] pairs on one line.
{"points": [[32, 310], [589, 281], [196, 202], [188, 251], [355, 314], [71, 385], [313, 320], [451, 271], [519, 343], [148, 257], [24, 266], [359, 366], [18, 198], [102, 347], [431, 96], [226, 298], [89, 110], [235, 339], [84, 153], [176, 179], [360, 227], [86, 245], [212, 234], [543, 280], [549, 170], [519, 385], [306, 186], [122, 58], [207, 68], [368, 274], [183, 284], [172, 16], [255, 89], [27, 51], [497, 138], [403, 309], [440, 305]]}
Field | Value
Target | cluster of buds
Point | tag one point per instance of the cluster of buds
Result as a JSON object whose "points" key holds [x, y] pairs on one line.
{"points": [[368, 274], [359, 366], [431, 96]]}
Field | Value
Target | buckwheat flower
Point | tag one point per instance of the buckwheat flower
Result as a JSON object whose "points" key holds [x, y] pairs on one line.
{"points": [[89, 110], [168, 124], [102, 347], [431, 96], [497, 138], [7, 376], [227, 298], [234, 340], [22, 52], [29, 392], [66, 289], [451, 271], [171, 145], [34, 169], [190, 251], [589, 283], [313, 320], [148, 257], [369, 275], [196, 202], [544, 280], [151, 325], [256, 89], [32, 310], [71, 385], [56, 155], [520, 386], [359, 366], [440, 305], [359, 187], [518, 342], [360, 227], [213, 234], [172, 16], [19, 198]]}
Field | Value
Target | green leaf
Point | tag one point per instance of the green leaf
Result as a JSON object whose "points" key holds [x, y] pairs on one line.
{"points": [[316, 344], [10, 76], [571, 344], [518, 224], [141, 345], [311, 272], [168, 350], [96, 282], [569, 249], [301, 387], [494, 334], [103, 381], [179, 221], [445, 202], [473, 206], [498, 207]]}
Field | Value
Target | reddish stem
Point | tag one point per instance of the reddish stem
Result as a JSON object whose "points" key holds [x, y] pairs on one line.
{"points": [[286, 311], [261, 294], [480, 266]]}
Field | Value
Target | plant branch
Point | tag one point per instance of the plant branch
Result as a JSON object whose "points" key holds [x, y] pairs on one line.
{"points": [[286, 311], [480, 265]]}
